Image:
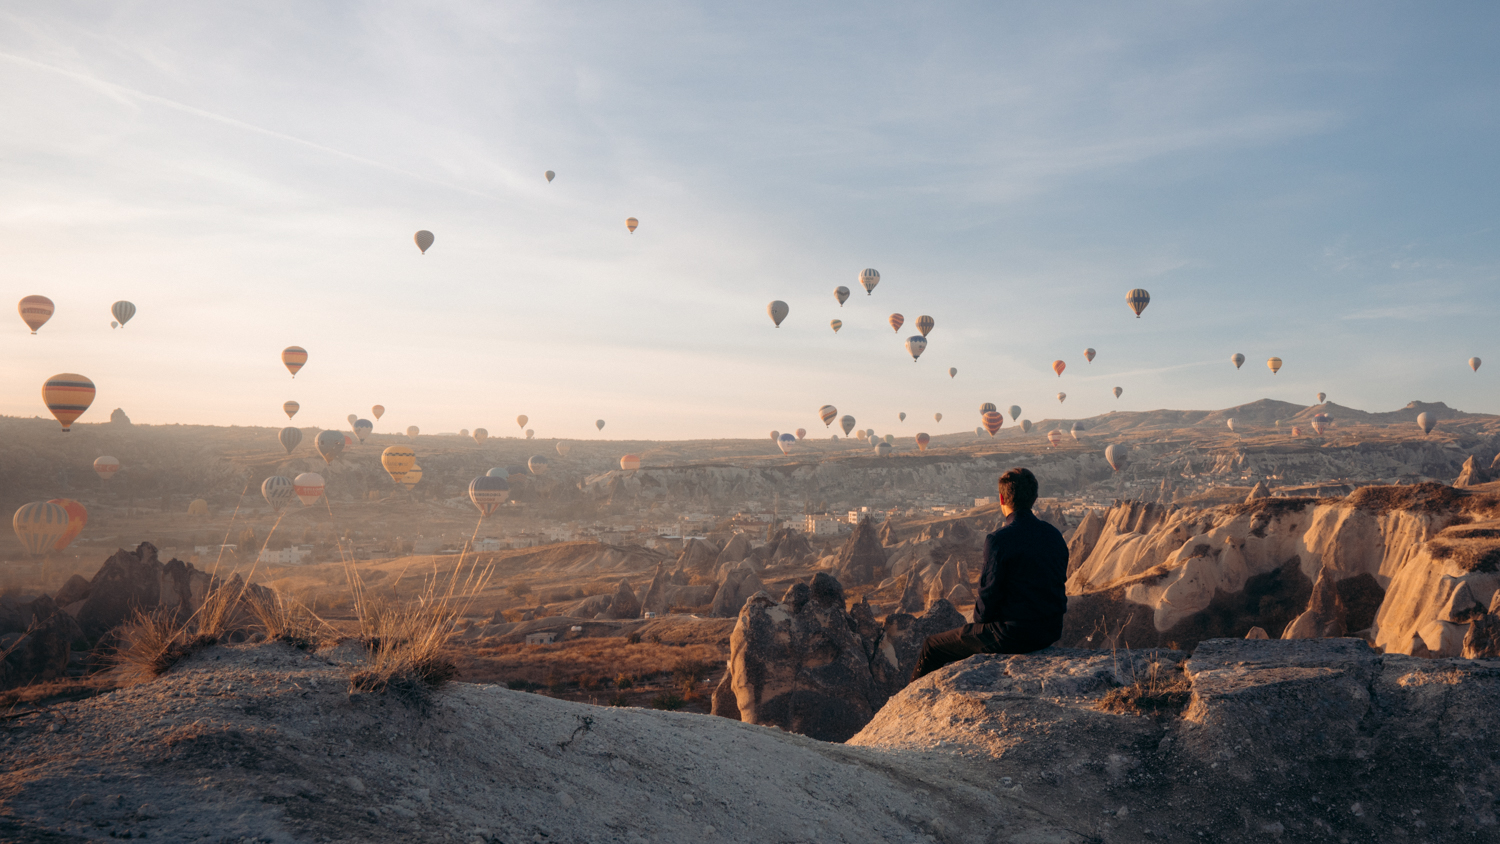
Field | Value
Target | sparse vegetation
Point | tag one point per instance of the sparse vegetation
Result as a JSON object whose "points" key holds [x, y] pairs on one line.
{"points": [[1162, 690], [668, 700], [287, 619]]}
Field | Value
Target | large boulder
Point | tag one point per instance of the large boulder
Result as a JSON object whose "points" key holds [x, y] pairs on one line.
{"points": [[118, 418], [1260, 491], [1482, 641], [735, 588], [862, 559], [798, 664], [36, 638]]}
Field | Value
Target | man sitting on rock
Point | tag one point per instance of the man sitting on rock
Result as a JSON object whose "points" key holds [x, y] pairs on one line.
{"points": [[1021, 592]]}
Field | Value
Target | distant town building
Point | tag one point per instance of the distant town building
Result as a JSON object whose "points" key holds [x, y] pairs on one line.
{"points": [[487, 543], [423, 545], [292, 555], [821, 525], [980, 502]]}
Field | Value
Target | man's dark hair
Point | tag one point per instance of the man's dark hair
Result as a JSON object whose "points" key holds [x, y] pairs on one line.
{"points": [[1019, 488]]}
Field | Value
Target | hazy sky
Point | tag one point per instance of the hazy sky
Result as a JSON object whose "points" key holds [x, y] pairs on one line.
{"points": [[1313, 181]]}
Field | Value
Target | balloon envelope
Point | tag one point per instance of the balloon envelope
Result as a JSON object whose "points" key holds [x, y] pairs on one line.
{"points": [[922, 441], [836, 324], [550, 175], [1322, 397], [896, 321], [901, 416], [480, 435], [882, 449], [915, 345], [309, 488], [330, 444], [630, 462], [992, 420], [1426, 421], [1237, 359], [925, 324], [937, 417], [986, 407], [424, 240], [841, 293], [530, 433], [786, 441], [290, 408], [498, 472], [397, 460], [828, 413], [35, 311], [488, 493], [122, 311], [1138, 299], [778, 311], [1118, 391], [1088, 355], [412, 431], [522, 420], [847, 423], [377, 411], [290, 438], [1058, 367], [1474, 364], [1230, 423], [1015, 412], [1062, 397], [599, 424], [363, 428], [1054, 436], [78, 516], [563, 449], [39, 526], [106, 467], [67, 395], [412, 477], [294, 358], [801, 433], [1025, 426], [1274, 364], [868, 279], [537, 465], [1320, 422], [279, 491], [631, 223], [952, 371], [1117, 454]]}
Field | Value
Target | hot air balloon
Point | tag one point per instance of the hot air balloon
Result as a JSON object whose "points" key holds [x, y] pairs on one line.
{"points": [[463, 432], [412, 431], [868, 279], [890, 438], [979, 431], [631, 223], [786, 441], [35, 311], [922, 441], [925, 324], [1230, 423], [424, 240], [291, 408], [1138, 299], [915, 345], [992, 420], [67, 395], [1118, 391], [39, 526], [901, 417], [397, 460], [937, 417], [488, 493], [1237, 359], [1322, 397], [836, 324], [550, 175], [480, 435], [778, 311], [412, 477], [352, 419], [1296, 432], [113, 324], [1078, 428], [847, 423], [78, 516], [1088, 355], [377, 411], [294, 357], [330, 444], [828, 413], [630, 462], [1474, 364], [1320, 423], [1058, 367], [363, 428], [1055, 436], [122, 311], [1025, 426], [278, 491], [1117, 455], [986, 407], [563, 449], [1425, 421], [883, 449], [290, 438], [308, 487], [599, 423], [106, 467], [530, 433], [522, 420], [801, 433], [1274, 364], [1015, 412], [896, 322], [952, 372], [1062, 397], [537, 465], [498, 472], [841, 293]]}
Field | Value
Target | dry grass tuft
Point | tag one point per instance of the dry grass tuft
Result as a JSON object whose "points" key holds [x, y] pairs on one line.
{"points": [[155, 641], [1162, 690], [288, 620]]}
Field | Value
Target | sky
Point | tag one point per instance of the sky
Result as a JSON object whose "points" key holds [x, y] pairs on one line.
{"points": [[1316, 182]]}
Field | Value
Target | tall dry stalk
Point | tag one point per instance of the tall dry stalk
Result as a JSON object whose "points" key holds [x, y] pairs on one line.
{"points": [[287, 619]]}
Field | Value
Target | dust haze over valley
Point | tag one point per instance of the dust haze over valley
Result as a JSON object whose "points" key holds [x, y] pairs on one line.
{"points": [[681, 349]]}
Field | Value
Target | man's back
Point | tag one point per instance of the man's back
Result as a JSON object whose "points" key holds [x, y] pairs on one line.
{"points": [[1025, 572]]}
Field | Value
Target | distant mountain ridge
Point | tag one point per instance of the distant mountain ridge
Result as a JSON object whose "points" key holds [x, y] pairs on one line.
{"points": [[1259, 414]]}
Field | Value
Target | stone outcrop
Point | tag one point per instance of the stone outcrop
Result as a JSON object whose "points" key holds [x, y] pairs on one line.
{"points": [[1482, 641], [136, 580], [862, 560], [698, 555], [623, 603], [1260, 491], [118, 418], [1325, 615], [735, 550], [789, 547], [36, 639], [1472, 473], [736, 586]]}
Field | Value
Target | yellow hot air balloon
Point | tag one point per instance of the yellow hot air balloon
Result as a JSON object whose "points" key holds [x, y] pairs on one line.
{"points": [[412, 431], [67, 395], [837, 324], [412, 477], [1274, 364], [291, 408], [35, 311], [522, 420], [294, 357], [631, 223], [397, 461], [377, 411], [77, 518], [39, 526], [424, 240], [896, 321]]}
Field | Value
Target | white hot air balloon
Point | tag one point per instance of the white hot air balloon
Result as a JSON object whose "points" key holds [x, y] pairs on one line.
{"points": [[778, 311], [916, 344]]}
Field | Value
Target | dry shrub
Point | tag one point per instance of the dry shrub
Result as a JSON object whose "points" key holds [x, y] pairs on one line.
{"points": [[669, 701], [155, 641], [1162, 690], [288, 620]]}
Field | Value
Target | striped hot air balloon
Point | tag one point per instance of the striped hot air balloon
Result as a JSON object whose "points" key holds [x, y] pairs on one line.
{"points": [[1320, 423], [424, 239], [1088, 355], [1296, 431], [363, 428], [836, 324], [537, 465], [896, 322], [1118, 391], [1274, 364], [1058, 367], [67, 395], [841, 293], [78, 516], [992, 420], [412, 477], [631, 223], [922, 441], [279, 491], [106, 467], [35, 311], [630, 462], [294, 357], [986, 407], [39, 525], [290, 438], [828, 413], [330, 444], [1078, 428], [290, 408], [925, 324], [1025, 426], [868, 279], [122, 311], [397, 460], [1055, 437], [1138, 299], [1062, 397], [308, 487], [915, 345]]}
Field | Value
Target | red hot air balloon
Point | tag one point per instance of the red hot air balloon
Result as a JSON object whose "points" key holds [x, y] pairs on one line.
{"points": [[992, 420], [1088, 355], [1058, 367], [922, 441], [1055, 436], [77, 518]]}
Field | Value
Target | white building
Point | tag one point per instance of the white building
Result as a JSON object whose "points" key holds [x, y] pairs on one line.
{"points": [[292, 555], [540, 638], [821, 525], [487, 543]]}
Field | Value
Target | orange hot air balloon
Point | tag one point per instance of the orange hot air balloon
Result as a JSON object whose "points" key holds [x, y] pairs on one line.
{"points": [[35, 311], [992, 420], [77, 518], [295, 357], [1088, 355], [922, 441], [1055, 436], [1296, 431], [377, 411], [67, 395], [1274, 364], [630, 462], [1058, 367], [631, 223], [897, 321]]}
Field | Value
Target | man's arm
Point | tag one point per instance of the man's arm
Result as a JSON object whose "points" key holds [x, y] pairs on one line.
{"points": [[990, 580]]}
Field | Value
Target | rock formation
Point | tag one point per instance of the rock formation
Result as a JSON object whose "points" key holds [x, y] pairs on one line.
{"points": [[137, 580], [1325, 615], [789, 547], [1482, 641], [1260, 491], [735, 550], [623, 603], [118, 418], [862, 560], [698, 555], [36, 639], [1472, 474], [736, 587]]}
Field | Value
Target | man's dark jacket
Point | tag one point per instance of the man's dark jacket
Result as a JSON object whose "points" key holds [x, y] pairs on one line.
{"points": [[1025, 572]]}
